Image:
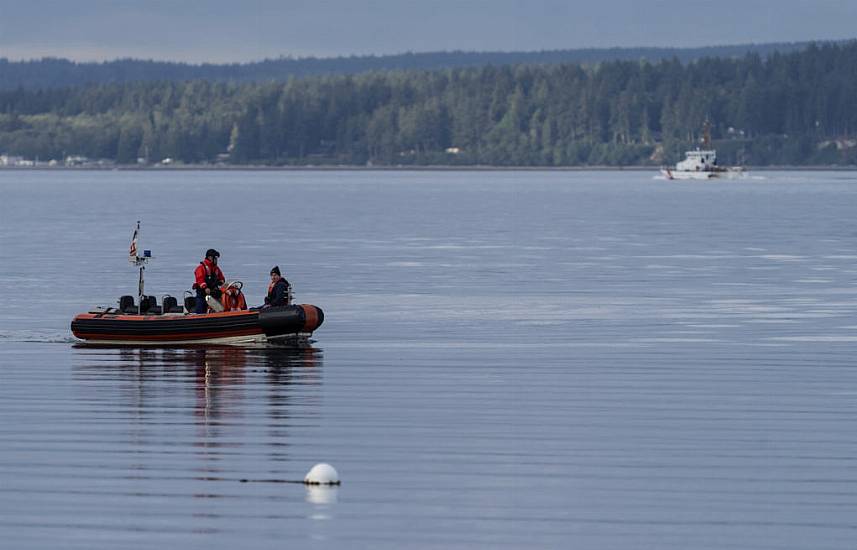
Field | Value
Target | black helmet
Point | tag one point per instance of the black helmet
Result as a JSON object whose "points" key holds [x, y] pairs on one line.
{"points": [[212, 253]]}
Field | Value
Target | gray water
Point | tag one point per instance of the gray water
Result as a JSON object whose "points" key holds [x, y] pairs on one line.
{"points": [[509, 359]]}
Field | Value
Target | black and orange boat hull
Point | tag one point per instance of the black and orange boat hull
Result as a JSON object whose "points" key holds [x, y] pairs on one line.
{"points": [[285, 323]]}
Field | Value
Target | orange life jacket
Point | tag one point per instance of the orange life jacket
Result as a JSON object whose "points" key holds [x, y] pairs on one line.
{"points": [[208, 275], [233, 299]]}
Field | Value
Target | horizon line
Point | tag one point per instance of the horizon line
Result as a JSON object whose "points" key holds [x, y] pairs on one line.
{"points": [[104, 61]]}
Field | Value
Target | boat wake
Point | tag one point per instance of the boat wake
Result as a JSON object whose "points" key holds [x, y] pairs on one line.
{"points": [[744, 176], [37, 336]]}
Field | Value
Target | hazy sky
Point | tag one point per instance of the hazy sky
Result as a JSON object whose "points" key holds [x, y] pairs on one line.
{"points": [[244, 30]]}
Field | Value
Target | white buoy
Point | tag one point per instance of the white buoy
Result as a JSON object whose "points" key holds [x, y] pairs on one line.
{"points": [[322, 474]]}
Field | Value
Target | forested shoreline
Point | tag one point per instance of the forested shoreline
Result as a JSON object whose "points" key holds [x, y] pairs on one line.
{"points": [[59, 73], [797, 108]]}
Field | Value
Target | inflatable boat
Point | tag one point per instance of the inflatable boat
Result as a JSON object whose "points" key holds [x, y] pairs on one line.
{"points": [[284, 324], [227, 320]]}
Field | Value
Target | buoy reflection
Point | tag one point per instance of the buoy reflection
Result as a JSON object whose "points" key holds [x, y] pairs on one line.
{"points": [[322, 495]]}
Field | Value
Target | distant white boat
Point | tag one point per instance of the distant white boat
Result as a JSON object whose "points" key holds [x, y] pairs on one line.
{"points": [[701, 164]]}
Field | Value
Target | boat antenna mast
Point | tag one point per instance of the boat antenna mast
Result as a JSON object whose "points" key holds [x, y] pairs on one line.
{"points": [[706, 135], [140, 262]]}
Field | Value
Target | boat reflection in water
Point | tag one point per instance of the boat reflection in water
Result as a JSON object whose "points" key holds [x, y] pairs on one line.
{"points": [[198, 422]]}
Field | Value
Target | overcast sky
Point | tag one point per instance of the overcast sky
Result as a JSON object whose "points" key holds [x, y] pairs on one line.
{"points": [[246, 30]]}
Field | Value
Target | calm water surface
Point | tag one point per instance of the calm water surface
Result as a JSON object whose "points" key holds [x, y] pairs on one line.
{"points": [[509, 359]]}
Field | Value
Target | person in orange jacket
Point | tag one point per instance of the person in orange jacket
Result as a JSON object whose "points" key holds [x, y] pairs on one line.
{"points": [[208, 280]]}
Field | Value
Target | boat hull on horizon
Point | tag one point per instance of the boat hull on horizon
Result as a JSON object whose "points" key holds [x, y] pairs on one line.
{"points": [[730, 173]]}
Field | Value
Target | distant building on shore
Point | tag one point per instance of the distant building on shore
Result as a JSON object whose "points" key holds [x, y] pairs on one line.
{"points": [[10, 160], [76, 160]]}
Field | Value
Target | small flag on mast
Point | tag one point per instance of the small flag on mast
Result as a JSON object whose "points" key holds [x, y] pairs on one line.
{"points": [[132, 252]]}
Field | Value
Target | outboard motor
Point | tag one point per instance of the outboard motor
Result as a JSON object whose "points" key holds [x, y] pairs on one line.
{"points": [[149, 304], [189, 302], [126, 304], [170, 304]]}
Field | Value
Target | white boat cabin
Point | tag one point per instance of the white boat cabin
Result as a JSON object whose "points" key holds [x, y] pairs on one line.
{"points": [[698, 161]]}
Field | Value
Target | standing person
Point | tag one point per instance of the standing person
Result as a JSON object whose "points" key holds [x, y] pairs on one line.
{"points": [[208, 280], [278, 289]]}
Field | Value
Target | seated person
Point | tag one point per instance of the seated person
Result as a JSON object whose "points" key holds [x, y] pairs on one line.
{"points": [[278, 290]]}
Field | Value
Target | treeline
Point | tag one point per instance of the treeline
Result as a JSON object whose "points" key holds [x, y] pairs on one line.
{"points": [[59, 73], [794, 108]]}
